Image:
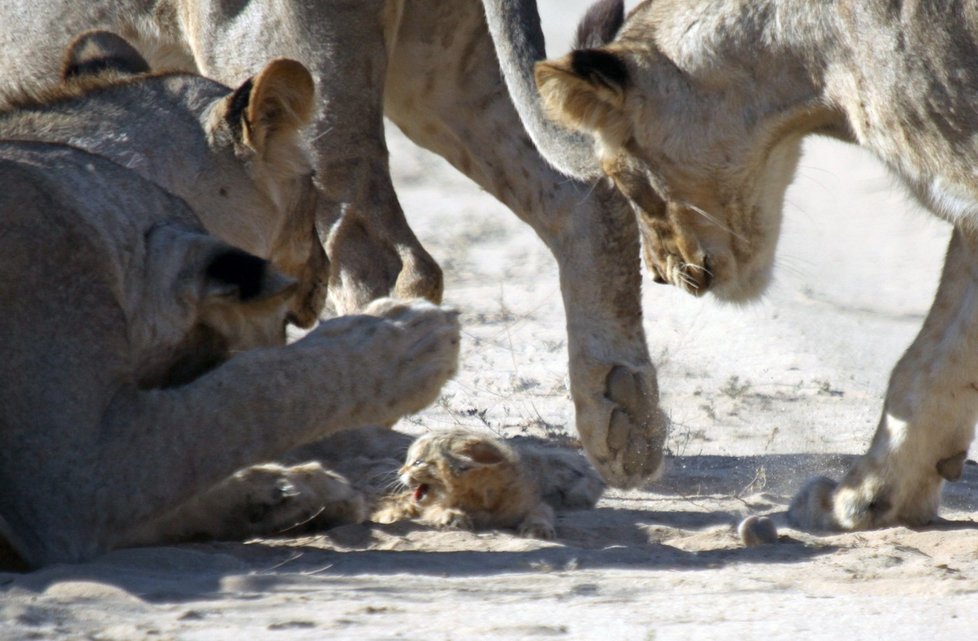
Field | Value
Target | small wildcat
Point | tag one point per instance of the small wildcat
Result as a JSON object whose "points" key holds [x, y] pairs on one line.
{"points": [[472, 481]]}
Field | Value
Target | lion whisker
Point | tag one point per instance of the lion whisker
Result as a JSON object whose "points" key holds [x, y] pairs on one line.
{"points": [[715, 221], [686, 278], [590, 190], [700, 268]]}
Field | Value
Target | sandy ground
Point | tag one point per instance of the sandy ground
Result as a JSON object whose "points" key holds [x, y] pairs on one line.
{"points": [[761, 398]]}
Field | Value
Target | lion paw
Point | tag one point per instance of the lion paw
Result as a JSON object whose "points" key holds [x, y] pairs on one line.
{"points": [[420, 277], [425, 339], [635, 432], [864, 501], [812, 508], [261, 500], [272, 499], [757, 530], [336, 500], [365, 267], [395, 358]]}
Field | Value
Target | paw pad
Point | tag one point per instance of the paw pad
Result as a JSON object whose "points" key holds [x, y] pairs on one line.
{"points": [[633, 437]]}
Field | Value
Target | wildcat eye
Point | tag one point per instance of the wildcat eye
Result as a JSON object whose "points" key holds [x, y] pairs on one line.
{"points": [[418, 462]]}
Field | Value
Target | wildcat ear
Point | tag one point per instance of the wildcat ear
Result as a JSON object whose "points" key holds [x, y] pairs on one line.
{"points": [[585, 90], [481, 453], [95, 52]]}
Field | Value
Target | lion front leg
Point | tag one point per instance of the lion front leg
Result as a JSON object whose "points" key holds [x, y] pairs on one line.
{"points": [[155, 449], [372, 250], [446, 92], [928, 420], [613, 381]]}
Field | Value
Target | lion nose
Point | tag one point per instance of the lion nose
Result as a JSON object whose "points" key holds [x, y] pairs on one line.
{"points": [[657, 276], [706, 272], [695, 278]]}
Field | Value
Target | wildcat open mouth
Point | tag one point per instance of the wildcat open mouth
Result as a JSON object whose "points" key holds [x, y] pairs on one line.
{"points": [[420, 492]]}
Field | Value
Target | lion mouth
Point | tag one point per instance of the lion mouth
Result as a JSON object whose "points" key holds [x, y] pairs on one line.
{"points": [[420, 493]]}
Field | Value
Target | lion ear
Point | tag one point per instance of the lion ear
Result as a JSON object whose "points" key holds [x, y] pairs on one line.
{"points": [[204, 269], [585, 90], [274, 104], [233, 275], [95, 52]]}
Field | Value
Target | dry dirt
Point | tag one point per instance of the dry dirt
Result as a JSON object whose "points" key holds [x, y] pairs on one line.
{"points": [[761, 398]]}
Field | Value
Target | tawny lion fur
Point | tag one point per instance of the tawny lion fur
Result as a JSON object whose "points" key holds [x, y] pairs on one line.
{"points": [[431, 67], [130, 382], [698, 109], [120, 396]]}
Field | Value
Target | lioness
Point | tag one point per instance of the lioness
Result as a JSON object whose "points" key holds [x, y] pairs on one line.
{"points": [[234, 156], [703, 105], [119, 394], [431, 67]]}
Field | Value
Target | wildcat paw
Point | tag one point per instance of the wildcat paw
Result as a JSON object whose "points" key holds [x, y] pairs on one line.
{"points": [[453, 519], [391, 509], [536, 530]]}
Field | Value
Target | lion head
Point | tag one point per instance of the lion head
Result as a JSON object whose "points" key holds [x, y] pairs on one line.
{"points": [[703, 142]]}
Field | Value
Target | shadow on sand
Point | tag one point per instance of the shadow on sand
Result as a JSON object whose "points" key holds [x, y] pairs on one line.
{"points": [[606, 538]]}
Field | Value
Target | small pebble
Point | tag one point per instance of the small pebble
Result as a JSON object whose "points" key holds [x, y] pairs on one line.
{"points": [[757, 530]]}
